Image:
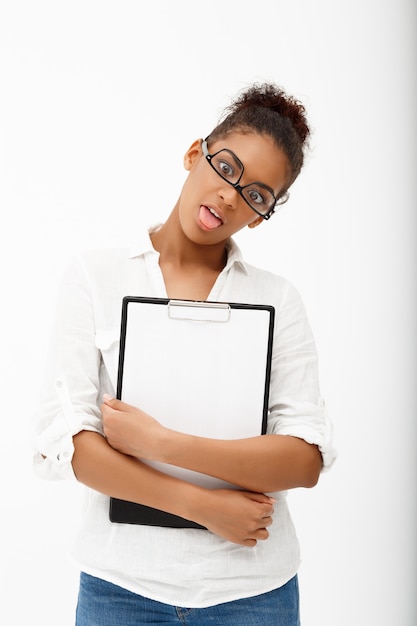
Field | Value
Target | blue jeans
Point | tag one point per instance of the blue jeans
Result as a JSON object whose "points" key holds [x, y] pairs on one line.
{"points": [[103, 604]]}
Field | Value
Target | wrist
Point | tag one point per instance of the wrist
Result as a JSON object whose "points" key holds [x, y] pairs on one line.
{"points": [[195, 504], [171, 446]]}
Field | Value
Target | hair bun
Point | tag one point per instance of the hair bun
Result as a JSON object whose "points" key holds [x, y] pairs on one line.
{"points": [[270, 96], [267, 109]]}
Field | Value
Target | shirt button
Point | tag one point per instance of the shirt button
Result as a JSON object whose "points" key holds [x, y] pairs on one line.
{"points": [[61, 457]]}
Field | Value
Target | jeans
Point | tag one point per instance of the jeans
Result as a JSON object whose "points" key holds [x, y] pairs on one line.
{"points": [[103, 604]]}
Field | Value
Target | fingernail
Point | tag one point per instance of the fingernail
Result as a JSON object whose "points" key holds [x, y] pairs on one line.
{"points": [[107, 397]]}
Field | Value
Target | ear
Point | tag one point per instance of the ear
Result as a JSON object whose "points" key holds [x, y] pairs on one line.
{"points": [[193, 152], [256, 222]]}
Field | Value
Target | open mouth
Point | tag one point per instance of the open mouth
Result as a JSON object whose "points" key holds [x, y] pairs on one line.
{"points": [[209, 218]]}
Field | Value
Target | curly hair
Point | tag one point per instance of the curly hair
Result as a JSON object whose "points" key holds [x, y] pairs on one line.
{"points": [[267, 109]]}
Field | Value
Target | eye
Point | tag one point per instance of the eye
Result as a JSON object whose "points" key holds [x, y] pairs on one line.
{"points": [[224, 168], [256, 196]]}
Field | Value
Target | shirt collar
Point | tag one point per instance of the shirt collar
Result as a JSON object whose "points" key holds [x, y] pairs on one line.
{"points": [[235, 257], [144, 245]]}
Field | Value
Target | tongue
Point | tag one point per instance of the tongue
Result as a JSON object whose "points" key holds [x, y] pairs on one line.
{"points": [[208, 219]]}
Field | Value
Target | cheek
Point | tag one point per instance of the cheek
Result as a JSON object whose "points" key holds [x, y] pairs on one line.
{"points": [[249, 217], [195, 183]]}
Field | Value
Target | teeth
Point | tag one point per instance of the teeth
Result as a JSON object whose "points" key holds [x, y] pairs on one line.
{"points": [[214, 213]]}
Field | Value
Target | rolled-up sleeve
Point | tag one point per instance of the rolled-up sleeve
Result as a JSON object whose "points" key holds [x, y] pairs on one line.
{"points": [[70, 392], [296, 406]]}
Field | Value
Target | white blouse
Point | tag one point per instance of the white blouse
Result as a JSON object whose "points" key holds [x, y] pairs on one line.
{"points": [[182, 567]]}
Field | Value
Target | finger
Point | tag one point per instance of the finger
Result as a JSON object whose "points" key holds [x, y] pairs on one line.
{"points": [[262, 534], [111, 401], [261, 498], [116, 404], [107, 412], [269, 511], [250, 543]]}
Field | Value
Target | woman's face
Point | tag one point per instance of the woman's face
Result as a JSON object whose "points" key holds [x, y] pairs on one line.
{"points": [[210, 209]]}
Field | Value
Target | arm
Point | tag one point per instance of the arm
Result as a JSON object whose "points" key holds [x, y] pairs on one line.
{"points": [[237, 516], [266, 463], [67, 430]]}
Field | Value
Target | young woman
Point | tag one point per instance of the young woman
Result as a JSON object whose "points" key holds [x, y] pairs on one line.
{"points": [[243, 569]]}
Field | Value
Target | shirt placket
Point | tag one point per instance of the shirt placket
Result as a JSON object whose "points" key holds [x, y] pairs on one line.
{"points": [[155, 277]]}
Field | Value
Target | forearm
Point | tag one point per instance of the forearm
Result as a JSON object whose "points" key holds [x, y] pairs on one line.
{"points": [[267, 463], [238, 516], [97, 465]]}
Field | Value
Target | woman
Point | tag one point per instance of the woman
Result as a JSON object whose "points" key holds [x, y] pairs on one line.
{"points": [[243, 569]]}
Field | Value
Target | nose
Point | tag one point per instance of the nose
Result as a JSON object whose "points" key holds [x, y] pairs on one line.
{"points": [[229, 195]]}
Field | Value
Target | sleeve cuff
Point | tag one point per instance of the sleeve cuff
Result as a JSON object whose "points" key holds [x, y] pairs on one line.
{"points": [[53, 451], [311, 423]]}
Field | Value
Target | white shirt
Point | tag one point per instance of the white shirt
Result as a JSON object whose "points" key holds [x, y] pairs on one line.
{"points": [[182, 567]]}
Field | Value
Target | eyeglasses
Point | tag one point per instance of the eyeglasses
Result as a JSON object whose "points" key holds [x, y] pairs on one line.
{"points": [[258, 196]]}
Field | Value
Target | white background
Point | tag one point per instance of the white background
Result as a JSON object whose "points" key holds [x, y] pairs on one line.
{"points": [[99, 101]]}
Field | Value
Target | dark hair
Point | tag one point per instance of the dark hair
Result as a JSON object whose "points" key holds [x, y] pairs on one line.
{"points": [[268, 109]]}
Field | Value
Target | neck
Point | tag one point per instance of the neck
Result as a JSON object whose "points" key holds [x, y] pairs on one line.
{"points": [[175, 248]]}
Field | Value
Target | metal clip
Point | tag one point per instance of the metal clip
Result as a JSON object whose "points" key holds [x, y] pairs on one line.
{"points": [[196, 311]]}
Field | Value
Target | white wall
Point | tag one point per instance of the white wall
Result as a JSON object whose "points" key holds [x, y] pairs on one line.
{"points": [[99, 100]]}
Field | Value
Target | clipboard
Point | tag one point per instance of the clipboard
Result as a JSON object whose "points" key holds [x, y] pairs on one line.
{"points": [[198, 367]]}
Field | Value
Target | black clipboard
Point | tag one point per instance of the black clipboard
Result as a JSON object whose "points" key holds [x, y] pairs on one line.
{"points": [[198, 367]]}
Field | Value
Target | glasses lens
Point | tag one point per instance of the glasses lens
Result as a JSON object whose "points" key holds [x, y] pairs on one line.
{"points": [[259, 197], [227, 166]]}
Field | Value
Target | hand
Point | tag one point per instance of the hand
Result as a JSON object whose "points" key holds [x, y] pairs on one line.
{"points": [[130, 430], [238, 516]]}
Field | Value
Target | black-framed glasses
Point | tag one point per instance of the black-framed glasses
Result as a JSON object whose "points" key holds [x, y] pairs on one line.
{"points": [[258, 196]]}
